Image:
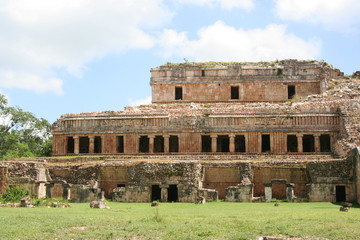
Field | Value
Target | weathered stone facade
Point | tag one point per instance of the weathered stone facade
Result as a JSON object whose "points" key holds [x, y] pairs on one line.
{"points": [[233, 131]]}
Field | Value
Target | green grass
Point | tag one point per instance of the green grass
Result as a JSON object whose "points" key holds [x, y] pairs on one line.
{"points": [[219, 220]]}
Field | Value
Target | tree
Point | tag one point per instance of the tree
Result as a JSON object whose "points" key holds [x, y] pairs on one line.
{"points": [[22, 134]]}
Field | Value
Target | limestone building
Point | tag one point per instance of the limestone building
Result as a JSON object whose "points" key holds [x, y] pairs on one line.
{"points": [[234, 131]]}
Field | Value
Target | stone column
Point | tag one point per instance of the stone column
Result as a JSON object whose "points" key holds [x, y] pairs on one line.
{"points": [[76, 144], [268, 192], [164, 193], [317, 142], [232, 143], [67, 192], [290, 192], [151, 143], [213, 143], [300, 142], [102, 150], [91, 144], [166, 143]]}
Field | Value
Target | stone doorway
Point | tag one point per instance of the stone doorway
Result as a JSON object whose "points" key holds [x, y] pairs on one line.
{"points": [[155, 193], [223, 143], [340, 194], [173, 193]]}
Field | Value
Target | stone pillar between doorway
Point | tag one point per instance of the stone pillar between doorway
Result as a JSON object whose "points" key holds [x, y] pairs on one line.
{"points": [[300, 142], [268, 192], [164, 193], [91, 144], [290, 192], [151, 143], [166, 143], [213, 143], [76, 144], [232, 143], [317, 142]]}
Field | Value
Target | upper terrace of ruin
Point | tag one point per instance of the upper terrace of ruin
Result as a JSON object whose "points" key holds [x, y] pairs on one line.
{"points": [[234, 81]]}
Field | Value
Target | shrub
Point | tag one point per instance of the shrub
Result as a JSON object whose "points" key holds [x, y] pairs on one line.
{"points": [[14, 193]]}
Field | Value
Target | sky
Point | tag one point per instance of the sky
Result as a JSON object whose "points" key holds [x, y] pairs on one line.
{"points": [[70, 56]]}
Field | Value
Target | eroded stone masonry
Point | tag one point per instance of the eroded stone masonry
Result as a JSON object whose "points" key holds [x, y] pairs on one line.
{"points": [[235, 131]]}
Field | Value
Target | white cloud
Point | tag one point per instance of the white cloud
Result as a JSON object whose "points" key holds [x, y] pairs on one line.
{"points": [[221, 42], [225, 4], [139, 102], [41, 36], [335, 14]]}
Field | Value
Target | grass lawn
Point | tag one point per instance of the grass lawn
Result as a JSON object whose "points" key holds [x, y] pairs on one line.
{"points": [[218, 220]]}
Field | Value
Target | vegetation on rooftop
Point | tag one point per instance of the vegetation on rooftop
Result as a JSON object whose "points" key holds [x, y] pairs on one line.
{"points": [[210, 64]]}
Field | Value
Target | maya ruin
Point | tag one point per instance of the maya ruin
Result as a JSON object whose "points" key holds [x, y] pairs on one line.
{"points": [[240, 132]]}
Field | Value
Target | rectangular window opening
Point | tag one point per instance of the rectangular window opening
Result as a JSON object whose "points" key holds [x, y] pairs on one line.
{"points": [[70, 145], [83, 144], [203, 73], [223, 143], [144, 144], [240, 143], [174, 144], [265, 143], [291, 91], [325, 144], [155, 193], [308, 143], [97, 145], [234, 92], [120, 144], [205, 143], [292, 143], [158, 144], [178, 93], [340, 194]]}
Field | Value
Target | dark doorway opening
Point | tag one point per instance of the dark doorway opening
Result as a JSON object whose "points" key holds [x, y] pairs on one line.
{"points": [[155, 193], [340, 194], [120, 185], [291, 91], [173, 144], [234, 92], [308, 143], [265, 143], [240, 143], [203, 73], [97, 145], [120, 144], [158, 144], [173, 193], [178, 93], [144, 144], [70, 145], [223, 143], [292, 143], [325, 145], [205, 143], [83, 145]]}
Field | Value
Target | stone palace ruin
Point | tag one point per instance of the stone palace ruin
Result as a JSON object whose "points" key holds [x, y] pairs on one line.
{"points": [[235, 131]]}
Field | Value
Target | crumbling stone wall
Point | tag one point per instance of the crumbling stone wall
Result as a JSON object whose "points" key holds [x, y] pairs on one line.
{"points": [[183, 172], [111, 177], [265, 175]]}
